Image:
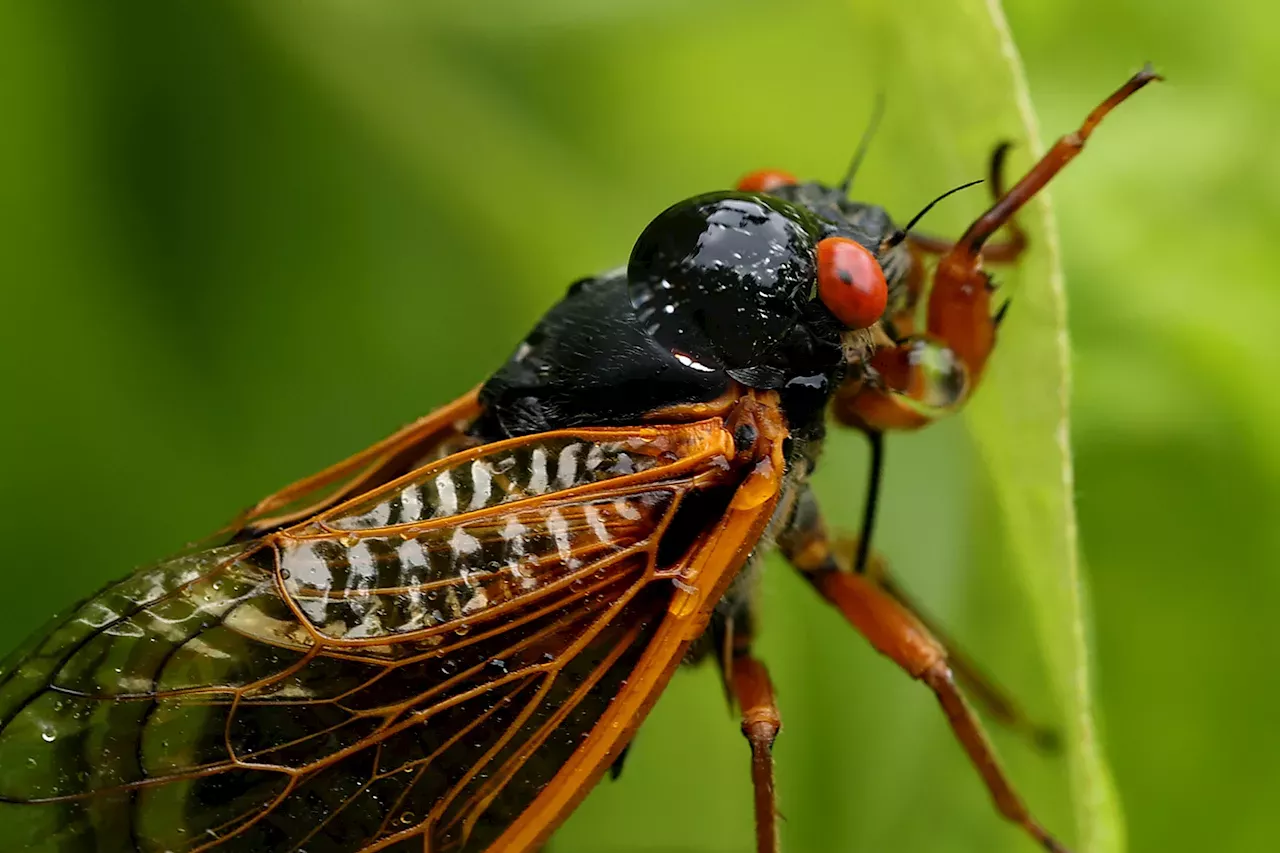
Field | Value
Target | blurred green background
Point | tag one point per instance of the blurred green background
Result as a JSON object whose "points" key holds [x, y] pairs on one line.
{"points": [[241, 240]]}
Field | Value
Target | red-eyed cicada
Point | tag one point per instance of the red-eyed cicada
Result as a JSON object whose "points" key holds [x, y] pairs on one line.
{"points": [[443, 642]]}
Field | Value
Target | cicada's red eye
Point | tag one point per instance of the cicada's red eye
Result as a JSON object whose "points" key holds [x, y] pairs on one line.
{"points": [[766, 180], [850, 282]]}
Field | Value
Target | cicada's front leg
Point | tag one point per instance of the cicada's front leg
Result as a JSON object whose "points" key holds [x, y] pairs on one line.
{"points": [[933, 372], [903, 321], [1005, 251]]}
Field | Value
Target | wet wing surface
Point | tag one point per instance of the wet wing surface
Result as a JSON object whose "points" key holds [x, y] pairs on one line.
{"points": [[358, 682]]}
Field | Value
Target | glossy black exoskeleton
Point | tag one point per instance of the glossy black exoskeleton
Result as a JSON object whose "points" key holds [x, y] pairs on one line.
{"points": [[719, 288]]}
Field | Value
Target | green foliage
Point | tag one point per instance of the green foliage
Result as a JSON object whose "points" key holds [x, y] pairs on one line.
{"points": [[244, 239]]}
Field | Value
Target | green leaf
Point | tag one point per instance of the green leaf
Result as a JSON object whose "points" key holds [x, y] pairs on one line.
{"points": [[1021, 428]]}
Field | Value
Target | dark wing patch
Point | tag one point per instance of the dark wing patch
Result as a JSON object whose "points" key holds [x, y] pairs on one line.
{"points": [[336, 690]]}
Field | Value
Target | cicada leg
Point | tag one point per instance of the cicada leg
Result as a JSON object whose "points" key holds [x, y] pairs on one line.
{"points": [[807, 547], [995, 702], [753, 693], [895, 631], [902, 319], [927, 375], [749, 690]]}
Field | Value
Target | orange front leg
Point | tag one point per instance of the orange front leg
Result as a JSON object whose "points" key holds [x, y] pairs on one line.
{"points": [[931, 374], [901, 320], [1004, 252]]}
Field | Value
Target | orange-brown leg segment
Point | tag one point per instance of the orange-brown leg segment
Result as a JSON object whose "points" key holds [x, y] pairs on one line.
{"points": [[807, 547], [1006, 251], [896, 632], [931, 374], [898, 635], [902, 320], [988, 695], [753, 693]]}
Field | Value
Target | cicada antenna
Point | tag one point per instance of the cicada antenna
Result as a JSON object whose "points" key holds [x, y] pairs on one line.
{"points": [[901, 234], [877, 112]]}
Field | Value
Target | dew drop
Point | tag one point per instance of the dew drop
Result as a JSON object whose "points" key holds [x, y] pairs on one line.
{"points": [[48, 736]]}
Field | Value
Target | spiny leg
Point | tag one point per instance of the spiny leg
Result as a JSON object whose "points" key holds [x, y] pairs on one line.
{"points": [[896, 632], [998, 704]]}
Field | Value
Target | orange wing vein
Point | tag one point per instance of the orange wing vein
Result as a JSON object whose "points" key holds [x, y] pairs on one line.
{"points": [[442, 663]]}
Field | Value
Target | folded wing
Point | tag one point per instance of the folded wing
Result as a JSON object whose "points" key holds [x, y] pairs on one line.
{"points": [[406, 670]]}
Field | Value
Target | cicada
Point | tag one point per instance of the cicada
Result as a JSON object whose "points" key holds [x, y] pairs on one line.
{"points": [[441, 643]]}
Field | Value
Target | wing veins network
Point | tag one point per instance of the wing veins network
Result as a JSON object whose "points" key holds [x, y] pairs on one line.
{"points": [[391, 725], [515, 763], [521, 678], [79, 645], [673, 488], [635, 567]]}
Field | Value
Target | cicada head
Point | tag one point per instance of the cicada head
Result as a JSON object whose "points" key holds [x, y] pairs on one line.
{"points": [[777, 284]]}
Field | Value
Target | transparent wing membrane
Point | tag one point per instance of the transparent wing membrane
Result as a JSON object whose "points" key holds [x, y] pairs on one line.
{"points": [[404, 671]]}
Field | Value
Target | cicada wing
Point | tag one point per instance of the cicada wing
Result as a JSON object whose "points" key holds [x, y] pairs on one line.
{"points": [[431, 437], [413, 667]]}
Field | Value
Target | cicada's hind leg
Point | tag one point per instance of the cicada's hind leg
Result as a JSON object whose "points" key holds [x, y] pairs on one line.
{"points": [[808, 548], [995, 702], [928, 374], [898, 633], [750, 690]]}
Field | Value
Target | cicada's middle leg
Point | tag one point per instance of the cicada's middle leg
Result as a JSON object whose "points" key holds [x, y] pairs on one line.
{"points": [[750, 691], [928, 374], [753, 694]]}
